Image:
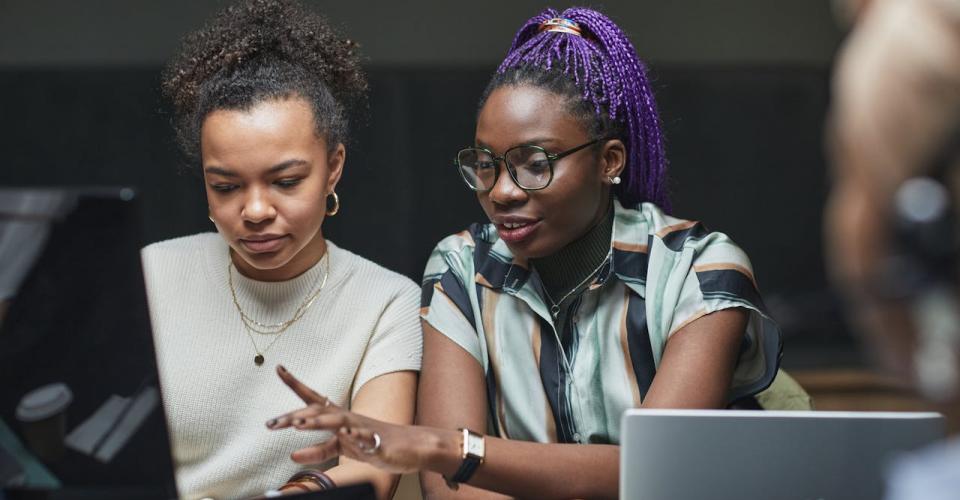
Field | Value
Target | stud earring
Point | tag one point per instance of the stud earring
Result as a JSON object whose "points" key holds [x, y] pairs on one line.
{"points": [[615, 180]]}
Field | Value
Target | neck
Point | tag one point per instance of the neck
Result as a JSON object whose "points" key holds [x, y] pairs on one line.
{"points": [[572, 264]]}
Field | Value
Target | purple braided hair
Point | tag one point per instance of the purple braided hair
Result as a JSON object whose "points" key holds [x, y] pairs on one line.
{"points": [[605, 68]]}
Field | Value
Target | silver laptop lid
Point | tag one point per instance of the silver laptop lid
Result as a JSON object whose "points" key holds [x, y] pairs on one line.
{"points": [[727, 454]]}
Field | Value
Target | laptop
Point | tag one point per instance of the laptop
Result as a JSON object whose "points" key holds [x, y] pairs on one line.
{"points": [[729, 454], [81, 415], [76, 335]]}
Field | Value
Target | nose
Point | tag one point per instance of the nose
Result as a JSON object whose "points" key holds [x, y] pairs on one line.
{"points": [[505, 191], [258, 207]]}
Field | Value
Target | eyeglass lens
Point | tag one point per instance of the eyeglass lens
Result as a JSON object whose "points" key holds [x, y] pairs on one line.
{"points": [[528, 164]]}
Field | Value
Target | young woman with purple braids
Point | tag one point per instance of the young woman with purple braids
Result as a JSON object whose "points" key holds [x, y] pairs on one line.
{"points": [[580, 299]]}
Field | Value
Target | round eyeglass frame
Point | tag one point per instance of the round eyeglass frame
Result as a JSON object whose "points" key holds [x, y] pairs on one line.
{"points": [[511, 170]]}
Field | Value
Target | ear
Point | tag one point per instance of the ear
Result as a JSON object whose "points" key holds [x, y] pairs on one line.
{"points": [[335, 162], [613, 159]]}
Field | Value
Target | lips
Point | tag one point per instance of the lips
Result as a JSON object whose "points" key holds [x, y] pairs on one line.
{"points": [[516, 229], [263, 243]]}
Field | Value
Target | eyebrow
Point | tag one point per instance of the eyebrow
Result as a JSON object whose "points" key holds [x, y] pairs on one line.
{"points": [[272, 170], [536, 141]]}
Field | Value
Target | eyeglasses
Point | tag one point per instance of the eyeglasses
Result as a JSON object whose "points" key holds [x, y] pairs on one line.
{"points": [[530, 167]]}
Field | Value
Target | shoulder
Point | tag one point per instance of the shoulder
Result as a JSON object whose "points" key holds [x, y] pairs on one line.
{"points": [[179, 247], [477, 235], [181, 252], [458, 251], [370, 275], [678, 236], [674, 232], [175, 266]]}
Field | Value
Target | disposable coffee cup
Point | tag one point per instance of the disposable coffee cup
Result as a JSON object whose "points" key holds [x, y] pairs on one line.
{"points": [[42, 414]]}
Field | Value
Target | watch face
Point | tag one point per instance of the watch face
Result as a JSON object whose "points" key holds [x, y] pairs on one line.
{"points": [[475, 446]]}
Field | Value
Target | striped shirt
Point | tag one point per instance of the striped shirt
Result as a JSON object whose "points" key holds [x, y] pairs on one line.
{"points": [[661, 274]]}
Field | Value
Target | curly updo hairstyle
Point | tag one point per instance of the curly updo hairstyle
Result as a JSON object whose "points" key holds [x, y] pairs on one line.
{"points": [[258, 50]]}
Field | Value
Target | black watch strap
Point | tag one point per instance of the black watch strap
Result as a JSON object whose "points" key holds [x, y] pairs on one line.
{"points": [[466, 470]]}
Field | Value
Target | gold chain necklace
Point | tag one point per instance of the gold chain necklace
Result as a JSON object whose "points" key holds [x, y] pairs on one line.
{"points": [[276, 328]]}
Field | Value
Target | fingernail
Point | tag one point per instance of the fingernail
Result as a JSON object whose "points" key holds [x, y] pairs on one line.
{"points": [[298, 421], [272, 422], [281, 368], [344, 430]]}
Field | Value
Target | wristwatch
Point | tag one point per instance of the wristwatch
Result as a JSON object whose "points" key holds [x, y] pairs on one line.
{"points": [[472, 452]]}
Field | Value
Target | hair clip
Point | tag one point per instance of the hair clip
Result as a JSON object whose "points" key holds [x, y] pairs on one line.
{"points": [[562, 25]]}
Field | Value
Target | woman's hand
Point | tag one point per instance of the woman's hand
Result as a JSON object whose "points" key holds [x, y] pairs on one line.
{"points": [[394, 448]]}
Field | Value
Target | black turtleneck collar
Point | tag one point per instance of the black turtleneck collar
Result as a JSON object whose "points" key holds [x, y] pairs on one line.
{"points": [[572, 264]]}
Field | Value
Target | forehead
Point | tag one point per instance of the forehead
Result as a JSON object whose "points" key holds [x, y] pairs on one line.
{"points": [[272, 126], [514, 114]]}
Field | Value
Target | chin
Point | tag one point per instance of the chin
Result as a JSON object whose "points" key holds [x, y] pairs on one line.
{"points": [[529, 251], [264, 261]]}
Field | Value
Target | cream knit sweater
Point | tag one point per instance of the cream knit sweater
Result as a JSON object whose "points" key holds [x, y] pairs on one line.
{"points": [[363, 324]]}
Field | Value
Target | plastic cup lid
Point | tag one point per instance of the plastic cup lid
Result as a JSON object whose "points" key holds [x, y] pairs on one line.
{"points": [[44, 402]]}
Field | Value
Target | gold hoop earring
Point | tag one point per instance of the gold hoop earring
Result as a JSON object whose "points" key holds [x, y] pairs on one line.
{"points": [[336, 204]]}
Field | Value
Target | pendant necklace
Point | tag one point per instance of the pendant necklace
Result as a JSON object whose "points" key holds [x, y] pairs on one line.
{"points": [[251, 326], [555, 305]]}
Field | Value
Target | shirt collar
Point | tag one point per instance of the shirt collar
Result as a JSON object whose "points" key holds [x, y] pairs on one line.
{"points": [[497, 267]]}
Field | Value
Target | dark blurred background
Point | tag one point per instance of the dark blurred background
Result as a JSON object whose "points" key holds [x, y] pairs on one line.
{"points": [[742, 87]]}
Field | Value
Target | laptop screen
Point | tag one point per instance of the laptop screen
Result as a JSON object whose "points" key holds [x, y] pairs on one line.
{"points": [[80, 403]]}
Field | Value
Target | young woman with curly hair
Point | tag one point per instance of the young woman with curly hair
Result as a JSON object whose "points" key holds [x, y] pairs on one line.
{"points": [[581, 298], [261, 97]]}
